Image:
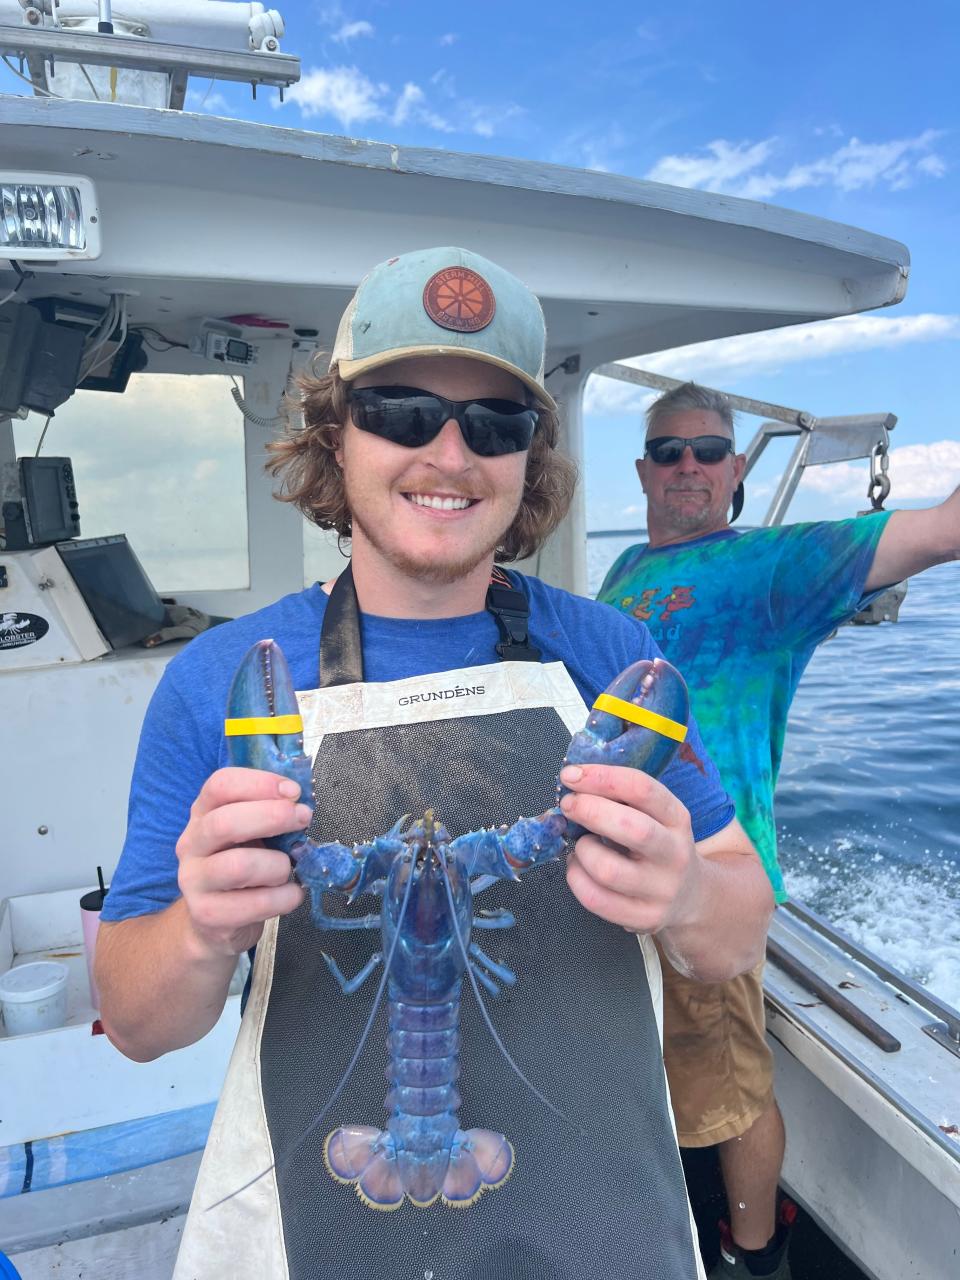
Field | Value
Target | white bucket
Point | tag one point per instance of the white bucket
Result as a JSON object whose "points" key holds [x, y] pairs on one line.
{"points": [[34, 997]]}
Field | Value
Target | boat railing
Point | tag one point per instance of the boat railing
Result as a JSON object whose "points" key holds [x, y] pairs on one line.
{"points": [[68, 50], [945, 1028]]}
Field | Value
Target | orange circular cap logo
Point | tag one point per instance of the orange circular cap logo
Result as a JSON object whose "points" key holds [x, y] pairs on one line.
{"points": [[457, 298]]}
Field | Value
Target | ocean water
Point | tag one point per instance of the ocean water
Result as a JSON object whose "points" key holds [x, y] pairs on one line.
{"points": [[868, 802]]}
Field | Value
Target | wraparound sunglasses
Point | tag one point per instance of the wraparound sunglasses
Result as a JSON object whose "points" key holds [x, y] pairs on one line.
{"points": [[408, 416], [666, 451]]}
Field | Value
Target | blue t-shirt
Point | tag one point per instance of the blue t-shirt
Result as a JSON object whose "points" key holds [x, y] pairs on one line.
{"points": [[182, 740], [740, 614]]}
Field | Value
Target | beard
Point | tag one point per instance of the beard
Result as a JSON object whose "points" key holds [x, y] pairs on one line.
{"points": [[685, 519], [435, 571]]}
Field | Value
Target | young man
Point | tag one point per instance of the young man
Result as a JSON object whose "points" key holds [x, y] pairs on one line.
{"points": [[741, 614], [431, 444]]}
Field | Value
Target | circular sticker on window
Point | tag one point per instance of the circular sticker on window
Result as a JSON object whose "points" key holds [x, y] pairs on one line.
{"points": [[460, 299], [19, 629]]}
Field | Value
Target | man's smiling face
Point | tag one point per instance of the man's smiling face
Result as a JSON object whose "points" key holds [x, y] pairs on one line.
{"points": [[435, 512], [690, 498]]}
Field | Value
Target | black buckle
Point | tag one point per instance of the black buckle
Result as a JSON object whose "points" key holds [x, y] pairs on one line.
{"points": [[511, 612]]}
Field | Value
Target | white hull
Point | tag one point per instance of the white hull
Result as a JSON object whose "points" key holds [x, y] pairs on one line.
{"points": [[873, 1149]]}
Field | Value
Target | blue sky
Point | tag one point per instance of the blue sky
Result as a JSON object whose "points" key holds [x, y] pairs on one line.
{"points": [[845, 110]]}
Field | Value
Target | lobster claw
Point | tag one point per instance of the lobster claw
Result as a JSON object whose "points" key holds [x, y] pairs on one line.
{"points": [[264, 731], [640, 721]]}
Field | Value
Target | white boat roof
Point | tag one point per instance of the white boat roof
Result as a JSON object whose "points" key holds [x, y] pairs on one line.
{"points": [[209, 216]]}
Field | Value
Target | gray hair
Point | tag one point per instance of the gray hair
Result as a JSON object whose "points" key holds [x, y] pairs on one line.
{"points": [[689, 395]]}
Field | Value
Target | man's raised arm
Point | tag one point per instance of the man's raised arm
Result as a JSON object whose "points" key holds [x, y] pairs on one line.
{"points": [[914, 540]]}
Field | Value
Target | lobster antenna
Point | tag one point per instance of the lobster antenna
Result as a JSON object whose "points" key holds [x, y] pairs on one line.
{"points": [[285, 1156], [486, 1016]]}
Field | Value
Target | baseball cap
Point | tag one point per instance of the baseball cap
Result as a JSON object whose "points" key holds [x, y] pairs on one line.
{"points": [[444, 301]]}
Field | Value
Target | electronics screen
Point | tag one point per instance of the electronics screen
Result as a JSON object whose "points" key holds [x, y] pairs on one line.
{"points": [[114, 367], [49, 500], [116, 588]]}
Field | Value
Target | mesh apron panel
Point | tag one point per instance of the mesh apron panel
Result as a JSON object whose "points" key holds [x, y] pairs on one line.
{"points": [[601, 1196]]}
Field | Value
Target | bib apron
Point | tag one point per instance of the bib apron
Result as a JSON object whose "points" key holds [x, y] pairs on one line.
{"points": [[599, 1196]]}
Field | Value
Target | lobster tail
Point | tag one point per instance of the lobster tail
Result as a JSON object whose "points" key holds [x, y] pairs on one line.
{"points": [[478, 1160], [481, 1160], [366, 1156]]}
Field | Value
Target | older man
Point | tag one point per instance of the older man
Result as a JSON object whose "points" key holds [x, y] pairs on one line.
{"points": [[431, 443], [741, 614]]}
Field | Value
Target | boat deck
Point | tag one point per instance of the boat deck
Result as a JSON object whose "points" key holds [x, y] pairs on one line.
{"points": [[813, 1255]]}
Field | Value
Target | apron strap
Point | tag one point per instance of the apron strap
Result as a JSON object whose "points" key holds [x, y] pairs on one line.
{"points": [[511, 612], [341, 653], [341, 649]]}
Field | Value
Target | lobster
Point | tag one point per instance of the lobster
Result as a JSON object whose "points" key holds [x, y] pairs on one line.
{"points": [[427, 880]]}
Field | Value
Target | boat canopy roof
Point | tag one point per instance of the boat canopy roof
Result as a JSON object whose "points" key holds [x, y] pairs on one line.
{"points": [[202, 216]]}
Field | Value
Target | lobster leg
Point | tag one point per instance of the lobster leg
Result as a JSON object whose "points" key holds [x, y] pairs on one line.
{"points": [[506, 852], [349, 985], [498, 970], [484, 979], [323, 921], [501, 918]]}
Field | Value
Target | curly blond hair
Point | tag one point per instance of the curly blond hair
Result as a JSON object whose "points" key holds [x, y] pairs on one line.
{"points": [[304, 459]]}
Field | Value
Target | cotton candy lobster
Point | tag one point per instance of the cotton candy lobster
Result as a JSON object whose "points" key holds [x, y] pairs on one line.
{"points": [[427, 880]]}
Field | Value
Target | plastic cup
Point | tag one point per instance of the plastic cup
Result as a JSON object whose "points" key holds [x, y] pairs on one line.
{"points": [[34, 997], [91, 905]]}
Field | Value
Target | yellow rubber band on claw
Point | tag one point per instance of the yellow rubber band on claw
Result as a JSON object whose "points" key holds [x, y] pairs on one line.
{"points": [[249, 725], [641, 716]]}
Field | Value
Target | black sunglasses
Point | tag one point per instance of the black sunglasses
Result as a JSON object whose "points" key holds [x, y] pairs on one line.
{"points": [[666, 451], [408, 416]]}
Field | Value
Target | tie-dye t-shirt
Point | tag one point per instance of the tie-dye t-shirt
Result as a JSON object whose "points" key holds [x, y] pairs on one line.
{"points": [[740, 614]]}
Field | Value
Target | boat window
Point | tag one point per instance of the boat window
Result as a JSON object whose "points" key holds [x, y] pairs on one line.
{"points": [[164, 464]]}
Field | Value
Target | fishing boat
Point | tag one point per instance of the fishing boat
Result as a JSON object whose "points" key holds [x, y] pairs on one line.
{"points": [[160, 268]]}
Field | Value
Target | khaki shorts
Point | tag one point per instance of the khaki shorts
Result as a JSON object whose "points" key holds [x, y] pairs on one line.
{"points": [[719, 1065]]}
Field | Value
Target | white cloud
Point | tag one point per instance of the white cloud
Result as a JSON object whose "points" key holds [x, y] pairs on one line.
{"points": [[205, 100], [411, 97], [925, 472], [342, 92], [487, 119], [589, 148], [352, 98], [448, 38], [412, 106], [610, 397], [350, 30], [932, 165], [726, 359], [739, 168], [723, 164]]}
